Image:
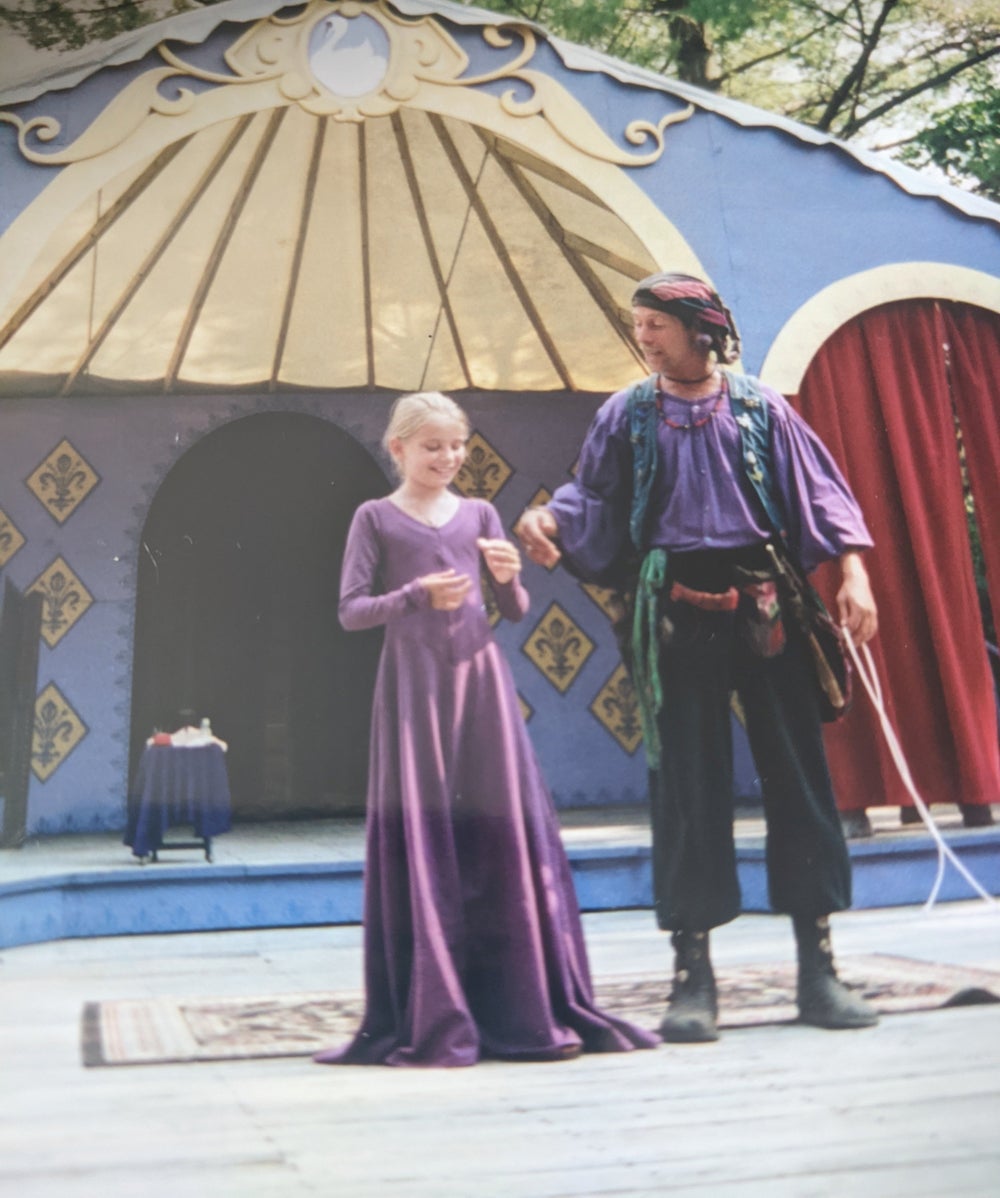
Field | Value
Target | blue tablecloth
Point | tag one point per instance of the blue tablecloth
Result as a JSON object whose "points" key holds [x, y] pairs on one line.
{"points": [[177, 786]]}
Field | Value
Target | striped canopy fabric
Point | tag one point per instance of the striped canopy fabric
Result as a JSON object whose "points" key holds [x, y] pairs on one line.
{"points": [[282, 249]]}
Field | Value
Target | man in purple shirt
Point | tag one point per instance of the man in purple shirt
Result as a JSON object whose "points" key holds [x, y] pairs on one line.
{"points": [[724, 625]]}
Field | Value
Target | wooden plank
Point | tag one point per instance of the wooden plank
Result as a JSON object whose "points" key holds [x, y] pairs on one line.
{"points": [[908, 1108]]}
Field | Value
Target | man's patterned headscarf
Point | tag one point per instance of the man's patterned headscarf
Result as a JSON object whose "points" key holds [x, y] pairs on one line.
{"points": [[696, 304]]}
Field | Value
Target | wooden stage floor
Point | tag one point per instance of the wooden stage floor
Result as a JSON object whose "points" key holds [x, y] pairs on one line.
{"points": [[909, 1109]]}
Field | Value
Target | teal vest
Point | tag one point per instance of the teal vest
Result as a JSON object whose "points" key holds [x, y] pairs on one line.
{"points": [[753, 418]]}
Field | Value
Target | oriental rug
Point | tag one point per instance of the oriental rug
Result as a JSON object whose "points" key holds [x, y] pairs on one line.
{"points": [[151, 1031]]}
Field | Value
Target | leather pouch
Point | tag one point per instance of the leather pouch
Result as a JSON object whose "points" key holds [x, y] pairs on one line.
{"points": [[761, 626]]}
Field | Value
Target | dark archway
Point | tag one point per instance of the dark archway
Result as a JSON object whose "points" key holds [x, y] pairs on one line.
{"points": [[236, 613]]}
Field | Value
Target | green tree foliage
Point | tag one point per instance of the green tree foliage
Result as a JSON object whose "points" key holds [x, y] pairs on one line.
{"points": [[963, 140], [70, 24], [924, 74]]}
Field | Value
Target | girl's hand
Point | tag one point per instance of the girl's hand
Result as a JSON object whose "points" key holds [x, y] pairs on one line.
{"points": [[447, 589], [502, 558]]}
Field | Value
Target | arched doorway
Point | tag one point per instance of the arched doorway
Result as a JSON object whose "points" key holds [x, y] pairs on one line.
{"points": [[236, 612]]}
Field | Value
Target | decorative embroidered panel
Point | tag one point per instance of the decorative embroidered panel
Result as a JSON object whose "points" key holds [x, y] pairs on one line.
{"points": [[617, 709], [62, 481], [484, 472], [11, 539], [64, 600], [558, 647], [58, 730], [602, 596]]}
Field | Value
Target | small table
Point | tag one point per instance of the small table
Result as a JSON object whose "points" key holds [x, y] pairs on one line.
{"points": [[178, 784]]}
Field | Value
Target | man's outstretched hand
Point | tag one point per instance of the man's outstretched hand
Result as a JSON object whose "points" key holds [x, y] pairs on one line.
{"points": [[537, 530]]}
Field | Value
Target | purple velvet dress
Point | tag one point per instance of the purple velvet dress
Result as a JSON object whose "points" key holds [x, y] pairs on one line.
{"points": [[473, 941]]}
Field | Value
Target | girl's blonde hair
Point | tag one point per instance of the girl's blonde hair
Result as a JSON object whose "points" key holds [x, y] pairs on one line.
{"points": [[410, 412]]}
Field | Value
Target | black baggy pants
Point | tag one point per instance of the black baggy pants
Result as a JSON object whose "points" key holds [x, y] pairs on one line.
{"points": [[694, 859]]}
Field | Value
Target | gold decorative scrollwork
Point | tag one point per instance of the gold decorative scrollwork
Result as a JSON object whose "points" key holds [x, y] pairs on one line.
{"points": [[563, 113], [118, 121], [279, 60]]}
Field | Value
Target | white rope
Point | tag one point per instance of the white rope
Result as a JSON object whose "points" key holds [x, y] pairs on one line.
{"points": [[869, 678]]}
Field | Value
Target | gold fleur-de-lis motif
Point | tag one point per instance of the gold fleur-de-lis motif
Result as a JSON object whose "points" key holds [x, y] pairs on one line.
{"points": [[57, 732], [64, 600], [617, 708], [484, 471], [62, 481], [10, 538], [604, 597], [560, 642], [558, 647]]}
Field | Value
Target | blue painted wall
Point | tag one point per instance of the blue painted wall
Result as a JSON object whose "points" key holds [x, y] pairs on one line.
{"points": [[133, 442]]}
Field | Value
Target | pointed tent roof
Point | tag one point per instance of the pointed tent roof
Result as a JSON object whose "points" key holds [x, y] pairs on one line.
{"points": [[309, 221]]}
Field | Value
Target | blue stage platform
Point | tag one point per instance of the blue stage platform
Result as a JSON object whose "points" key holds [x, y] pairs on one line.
{"points": [[311, 874]]}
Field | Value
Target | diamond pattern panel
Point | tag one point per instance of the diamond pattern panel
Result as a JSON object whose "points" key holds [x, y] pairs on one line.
{"points": [[617, 709], [64, 600], [604, 597], [62, 481], [484, 472], [58, 730], [558, 647], [11, 539]]}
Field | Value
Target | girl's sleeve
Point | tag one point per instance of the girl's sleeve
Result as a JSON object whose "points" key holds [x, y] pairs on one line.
{"points": [[360, 607], [592, 511], [512, 599], [824, 518]]}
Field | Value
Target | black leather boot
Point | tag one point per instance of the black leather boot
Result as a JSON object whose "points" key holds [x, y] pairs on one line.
{"points": [[824, 1000], [693, 1008]]}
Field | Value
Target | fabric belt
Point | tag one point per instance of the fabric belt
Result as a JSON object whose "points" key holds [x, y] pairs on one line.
{"points": [[706, 600], [645, 640]]}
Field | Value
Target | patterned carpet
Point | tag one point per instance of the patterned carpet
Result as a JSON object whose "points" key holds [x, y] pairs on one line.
{"points": [[153, 1031]]}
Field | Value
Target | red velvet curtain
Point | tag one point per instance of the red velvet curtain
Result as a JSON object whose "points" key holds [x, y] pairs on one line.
{"points": [[974, 350], [880, 396]]}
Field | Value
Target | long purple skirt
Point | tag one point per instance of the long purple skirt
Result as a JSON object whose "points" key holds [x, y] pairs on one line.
{"points": [[473, 944]]}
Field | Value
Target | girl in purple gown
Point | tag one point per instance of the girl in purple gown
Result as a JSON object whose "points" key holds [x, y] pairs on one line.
{"points": [[473, 942]]}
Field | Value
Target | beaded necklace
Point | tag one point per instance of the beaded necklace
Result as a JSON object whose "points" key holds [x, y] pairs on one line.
{"points": [[702, 420]]}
